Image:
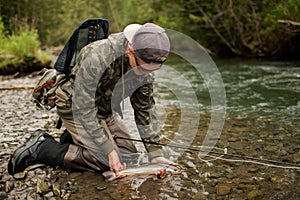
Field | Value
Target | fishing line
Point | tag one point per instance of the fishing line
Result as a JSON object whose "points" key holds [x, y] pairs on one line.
{"points": [[201, 147], [221, 155], [248, 161]]}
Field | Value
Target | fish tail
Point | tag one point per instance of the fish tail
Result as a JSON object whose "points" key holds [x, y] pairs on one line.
{"points": [[109, 175]]}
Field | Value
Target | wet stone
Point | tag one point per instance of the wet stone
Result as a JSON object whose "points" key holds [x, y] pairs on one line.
{"points": [[20, 176], [214, 175], [199, 196], [3, 195], [271, 148], [72, 189], [263, 134], [290, 151], [253, 169], [56, 188], [255, 194], [74, 175], [236, 145], [45, 116], [42, 187], [66, 196], [246, 187], [8, 186], [101, 186], [5, 178], [2, 169], [223, 189], [232, 139], [49, 194]]}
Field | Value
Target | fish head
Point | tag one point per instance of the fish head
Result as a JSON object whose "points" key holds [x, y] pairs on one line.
{"points": [[173, 170]]}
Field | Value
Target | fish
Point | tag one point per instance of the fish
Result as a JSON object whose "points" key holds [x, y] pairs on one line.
{"points": [[158, 169]]}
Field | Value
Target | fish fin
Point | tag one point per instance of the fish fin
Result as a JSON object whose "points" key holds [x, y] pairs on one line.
{"points": [[161, 174], [121, 176], [109, 175]]}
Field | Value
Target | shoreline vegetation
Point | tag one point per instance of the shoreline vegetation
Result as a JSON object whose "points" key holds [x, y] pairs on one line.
{"points": [[21, 53], [267, 29]]}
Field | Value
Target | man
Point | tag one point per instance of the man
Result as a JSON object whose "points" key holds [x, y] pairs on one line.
{"points": [[107, 71]]}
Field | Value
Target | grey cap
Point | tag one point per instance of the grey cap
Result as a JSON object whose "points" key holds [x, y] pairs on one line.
{"points": [[151, 43]]}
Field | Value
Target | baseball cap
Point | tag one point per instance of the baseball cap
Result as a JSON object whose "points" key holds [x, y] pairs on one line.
{"points": [[130, 30], [149, 41]]}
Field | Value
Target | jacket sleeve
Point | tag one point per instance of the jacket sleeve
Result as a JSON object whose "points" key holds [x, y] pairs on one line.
{"points": [[90, 68], [143, 104]]}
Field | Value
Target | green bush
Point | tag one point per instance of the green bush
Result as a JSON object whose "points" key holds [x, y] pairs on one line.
{"points": [[23, 45], [20, 49]]}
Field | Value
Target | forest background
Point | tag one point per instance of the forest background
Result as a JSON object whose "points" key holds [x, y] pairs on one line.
{"points": [[227, 28]]}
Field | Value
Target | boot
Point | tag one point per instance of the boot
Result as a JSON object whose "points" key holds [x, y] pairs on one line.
{"points": [[39, 148]]}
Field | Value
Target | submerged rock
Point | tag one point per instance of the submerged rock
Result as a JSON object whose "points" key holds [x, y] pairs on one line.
{"points": [[255, 194], [200, 196], [223, 189]]}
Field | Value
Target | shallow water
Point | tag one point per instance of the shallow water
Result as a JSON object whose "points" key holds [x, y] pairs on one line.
{"points": [[258, 88], [261, 121]]}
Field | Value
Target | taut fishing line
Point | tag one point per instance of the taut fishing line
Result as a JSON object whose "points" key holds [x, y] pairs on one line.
{"points": [[221, 156], [204, 153]]}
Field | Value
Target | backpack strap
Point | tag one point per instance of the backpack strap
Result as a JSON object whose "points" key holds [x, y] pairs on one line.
{"points": [[89, 31]]}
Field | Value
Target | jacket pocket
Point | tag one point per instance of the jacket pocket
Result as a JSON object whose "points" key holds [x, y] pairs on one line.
{"points": [[63, 97]]}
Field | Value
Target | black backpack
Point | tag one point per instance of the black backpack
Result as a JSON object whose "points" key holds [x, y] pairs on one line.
{"points": [[87, 32]]}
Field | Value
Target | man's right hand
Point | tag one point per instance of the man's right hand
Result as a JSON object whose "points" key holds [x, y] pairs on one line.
{"points": [[114, 162], [163, 160]]}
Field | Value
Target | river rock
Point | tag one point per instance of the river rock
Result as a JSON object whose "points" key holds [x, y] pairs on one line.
{"points": [[223, 189], [9, 185], [66, 196], [271, 148], [56, 188], [20, 176], [199, 196], [263, 134], [232, 139], [290, 151], [3, 195], [255, 194], [246, 187], [31, 195], [49, 195], [42, 187], [101, 186], [236, 145]]}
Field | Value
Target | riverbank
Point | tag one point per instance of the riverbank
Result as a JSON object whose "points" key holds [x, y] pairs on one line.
{"points": [[241, 135]]}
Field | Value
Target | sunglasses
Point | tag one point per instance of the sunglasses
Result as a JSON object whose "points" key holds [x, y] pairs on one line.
{"points": [[147, 70], [139, 67]]}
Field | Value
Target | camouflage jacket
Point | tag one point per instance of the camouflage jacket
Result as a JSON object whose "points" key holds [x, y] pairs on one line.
{"points": [[101, 79]]}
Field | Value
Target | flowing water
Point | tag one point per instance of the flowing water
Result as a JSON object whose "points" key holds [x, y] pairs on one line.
{"points": [[261, 121]]}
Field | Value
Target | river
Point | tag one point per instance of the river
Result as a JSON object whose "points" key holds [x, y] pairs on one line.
{"points": [[261, 121]]}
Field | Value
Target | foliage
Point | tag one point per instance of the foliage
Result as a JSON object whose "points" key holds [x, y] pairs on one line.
{"points": [[1, 27], [246, 28], [235, 27], [55, 20], [22, 47], [25, 44]]}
